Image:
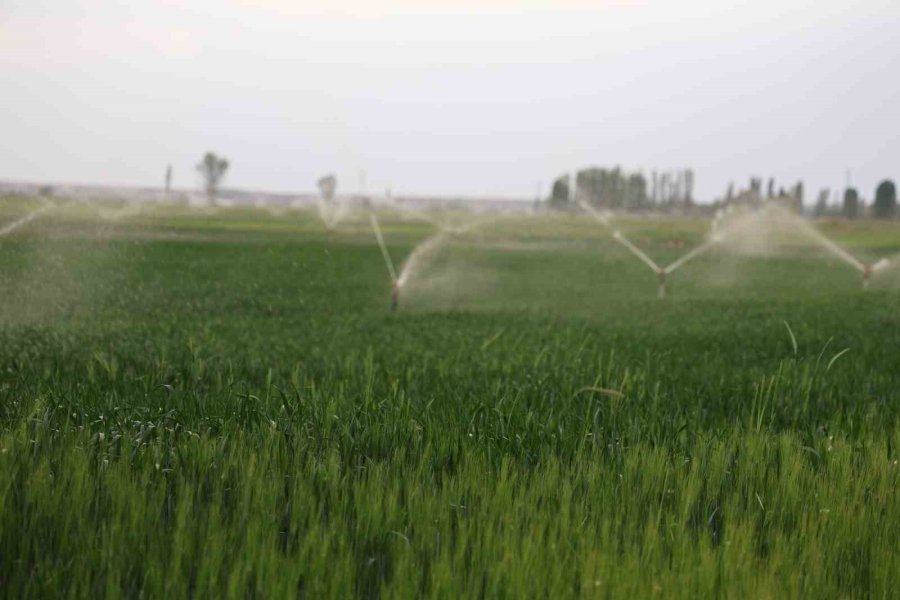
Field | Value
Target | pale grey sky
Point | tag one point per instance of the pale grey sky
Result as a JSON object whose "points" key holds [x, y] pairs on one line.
{"points": [[485, 97]]}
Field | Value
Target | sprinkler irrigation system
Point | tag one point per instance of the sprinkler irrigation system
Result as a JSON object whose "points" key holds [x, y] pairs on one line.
{"points": [[421, 252], [718, 236], [623, 239], [661, 272], [867, 270], [331, 212], [414, 261], [720, 230]]}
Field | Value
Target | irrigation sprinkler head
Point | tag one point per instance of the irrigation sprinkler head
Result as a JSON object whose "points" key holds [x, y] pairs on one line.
{"points": [[661, 277], [867, 274], [395, 295]]}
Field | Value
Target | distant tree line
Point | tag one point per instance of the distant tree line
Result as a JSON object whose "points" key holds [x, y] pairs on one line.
{"points": [[853, 206], [620, 190], [753, 194]]}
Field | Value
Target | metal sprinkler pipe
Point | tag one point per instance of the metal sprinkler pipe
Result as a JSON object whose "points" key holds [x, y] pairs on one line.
{"points": [[661, 276], [867, 275]]}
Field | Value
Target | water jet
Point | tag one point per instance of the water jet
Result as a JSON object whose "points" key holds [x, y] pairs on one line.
{"points": [[395, 281], [7, 229]]}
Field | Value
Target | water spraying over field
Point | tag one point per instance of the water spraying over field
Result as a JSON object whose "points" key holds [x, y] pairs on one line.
{"points": [[754, 230], [419, 214], [332, 211], [21, 221], [443, 225], [692, 254], [420, 256], [886, 264], [600, 217], [395, 284], [424, 253], [384, 251], [828, 244], [772, 226], [130, 209], [620, 237]]}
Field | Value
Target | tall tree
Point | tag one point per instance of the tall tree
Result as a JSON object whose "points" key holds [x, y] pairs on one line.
{"points": [[559, 195], [851, 203], [637, 191], [885, 206], [756, 188], [327, 187], [678, 178], [689, 186], [797, 197], [212, 168], [590, 185], [822, 202]]}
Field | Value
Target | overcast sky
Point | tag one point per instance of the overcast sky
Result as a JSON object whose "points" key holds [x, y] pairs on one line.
{"points": [[468, 97]]}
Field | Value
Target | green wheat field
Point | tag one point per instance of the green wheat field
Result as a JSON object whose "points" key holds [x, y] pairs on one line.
{"points": [[220, 404]]}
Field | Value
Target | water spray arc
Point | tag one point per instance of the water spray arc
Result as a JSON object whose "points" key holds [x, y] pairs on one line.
{"points": [[745, 222], [442, 226], [686, 258], [623, 239], [691, 255], [877, 267], [7, 229], [661, 272], [332, 208], [867, 270], [395, 282], [599, 216], [422, 251], [130, 209], [418, 214], [418, 255]]}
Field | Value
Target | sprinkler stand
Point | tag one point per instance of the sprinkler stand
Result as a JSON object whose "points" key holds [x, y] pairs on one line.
{"points": [[661, 276], [867, 274], [395, 296]]}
